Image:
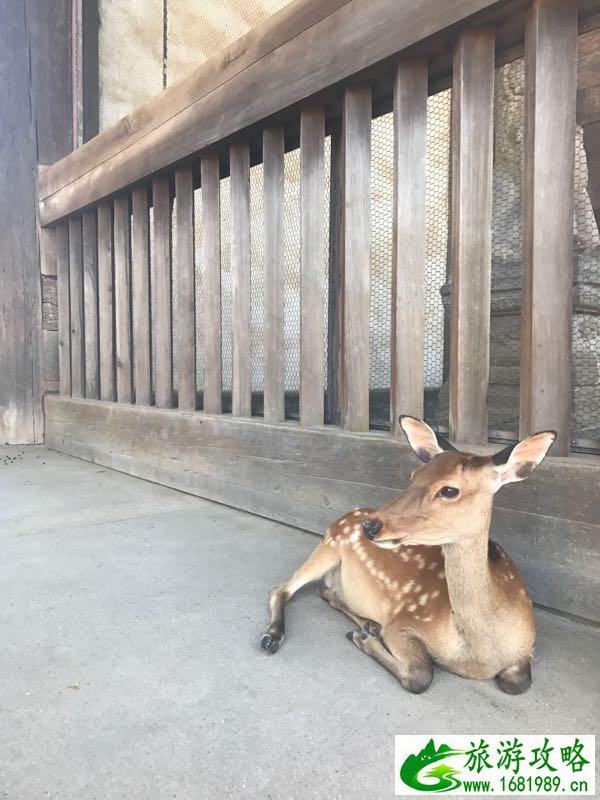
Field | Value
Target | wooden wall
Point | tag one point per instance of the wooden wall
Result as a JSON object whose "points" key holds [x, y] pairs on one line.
{"points": [[36, 113], [307, 477]]}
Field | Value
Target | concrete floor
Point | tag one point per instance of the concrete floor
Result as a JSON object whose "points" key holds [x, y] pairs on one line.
{"points": [[130, 666]]}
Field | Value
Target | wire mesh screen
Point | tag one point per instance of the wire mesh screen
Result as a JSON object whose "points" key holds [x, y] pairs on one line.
{"points": [[437, 216]]}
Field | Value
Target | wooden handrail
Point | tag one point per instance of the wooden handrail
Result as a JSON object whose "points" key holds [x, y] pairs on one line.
{"points": [[307, 48]]}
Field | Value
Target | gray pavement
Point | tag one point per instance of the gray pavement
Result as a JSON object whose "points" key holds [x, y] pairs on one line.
{"points": [[129, 623]]}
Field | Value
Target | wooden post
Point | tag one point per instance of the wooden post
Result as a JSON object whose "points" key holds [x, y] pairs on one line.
{"points": [[334, 321], [163, 314], [273, 158], [140, 292], [106, 315], [239, 159], [64, 313], [550, 91], [356, 254], [122, 255], [211, 282], [472, 152], [186, 288], [312, 269], [77, 311], [90, 303], [408, 248]]}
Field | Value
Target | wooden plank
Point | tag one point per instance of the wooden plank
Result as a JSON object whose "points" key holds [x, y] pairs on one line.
{"points": [[211, 281], [122, 258], [90, 303], [408, 246], [218, 102], [240, 279], [106, 314], [77, 308], [308, 477], [186, 288], [162, 312], [140, 292], [273, 159], [312, 267], [64, 305], [550, 91], [356, 256], [471, 261], [335, 305]]}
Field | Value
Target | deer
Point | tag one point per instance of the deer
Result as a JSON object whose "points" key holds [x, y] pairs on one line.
{"points": [[420, 576]]}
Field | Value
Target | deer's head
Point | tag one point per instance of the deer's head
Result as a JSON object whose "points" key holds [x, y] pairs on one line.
{"points": [[450, 497]]}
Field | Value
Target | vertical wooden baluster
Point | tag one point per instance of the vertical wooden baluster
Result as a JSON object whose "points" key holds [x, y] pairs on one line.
{"points": [[211, 281], [186, 288], [408, 248], [239, 159], [64, 304], [273, 158], [122, 257], [106, 302], [472, 151], [90, 303], [550, 92], [77, 311], [335, 305], [312, 270], [163, 312], [140, 290], [355, 257]]}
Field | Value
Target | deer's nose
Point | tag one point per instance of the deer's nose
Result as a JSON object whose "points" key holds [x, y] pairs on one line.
{"points": [[371, 527]]}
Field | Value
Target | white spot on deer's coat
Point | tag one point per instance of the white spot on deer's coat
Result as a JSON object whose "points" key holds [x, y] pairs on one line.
{"points": [[347, 529], [407, 587], [423, 599], [441, 574], [433, 565], [404, 556], [435, 594], [355, 536], [412, 607], [356, 514]]}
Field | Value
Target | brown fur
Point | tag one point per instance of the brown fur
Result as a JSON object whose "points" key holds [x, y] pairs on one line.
{"points": [[429, 586]]}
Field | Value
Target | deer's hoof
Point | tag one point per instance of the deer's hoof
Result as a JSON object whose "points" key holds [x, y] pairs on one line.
{"points": [[270, 643], [372, 628]]}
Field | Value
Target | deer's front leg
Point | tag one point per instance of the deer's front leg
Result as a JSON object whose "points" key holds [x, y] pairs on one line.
{"points": [[321, 560], [400, 653]]}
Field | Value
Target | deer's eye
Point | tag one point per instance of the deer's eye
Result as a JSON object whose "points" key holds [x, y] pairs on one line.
{"points": [[450, 492]]}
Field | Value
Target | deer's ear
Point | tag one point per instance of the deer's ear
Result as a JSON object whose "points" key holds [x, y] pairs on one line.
{"points": [[517, 462], [421, 438]]}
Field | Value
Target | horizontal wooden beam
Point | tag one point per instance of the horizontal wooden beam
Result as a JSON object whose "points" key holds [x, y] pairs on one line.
{"points": [[291, 54], [307, 477]]}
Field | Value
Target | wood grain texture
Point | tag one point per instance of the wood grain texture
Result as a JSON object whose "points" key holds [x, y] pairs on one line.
{"points": [[211, 281], [106, 305], [356, 257], [309, 477], [186, 288], [550, 91], [77, 309], [335, 304], [140, 296], [240, 279], [90, 304], [162, 311], [292, 55], [312, 264], [408, 243], [64, 308], [273, 159], [122, 261], [471, 264]]}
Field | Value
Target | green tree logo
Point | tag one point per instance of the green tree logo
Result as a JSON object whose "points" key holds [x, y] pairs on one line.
{"points": [[442, 777]]}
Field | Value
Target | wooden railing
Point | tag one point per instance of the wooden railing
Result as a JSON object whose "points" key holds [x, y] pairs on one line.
{"points": [[314, 68]]}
